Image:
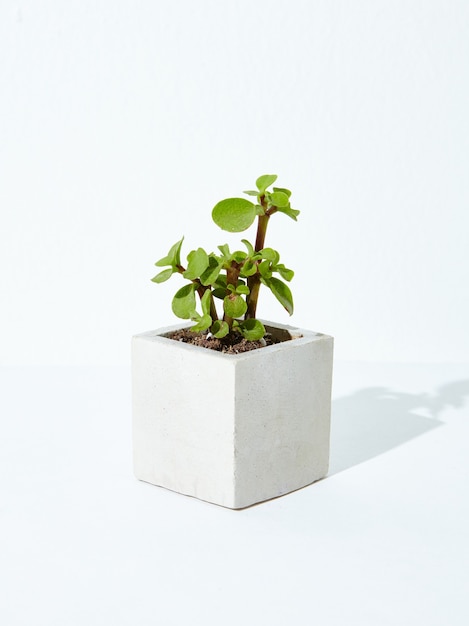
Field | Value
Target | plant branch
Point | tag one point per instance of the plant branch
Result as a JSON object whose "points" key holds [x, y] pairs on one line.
{"points": [[232, 275], [254, 281]]}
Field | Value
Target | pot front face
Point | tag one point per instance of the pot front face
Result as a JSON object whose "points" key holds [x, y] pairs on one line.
{"points": [[231, 429]]}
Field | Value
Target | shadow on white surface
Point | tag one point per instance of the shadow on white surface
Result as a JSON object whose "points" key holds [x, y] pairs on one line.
{"points": [[372, 421]]}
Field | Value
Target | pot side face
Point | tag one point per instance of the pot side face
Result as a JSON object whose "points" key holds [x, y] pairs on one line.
{"points": [[231, 429]]}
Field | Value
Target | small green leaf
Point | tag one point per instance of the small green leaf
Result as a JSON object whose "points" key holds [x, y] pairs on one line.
{"points": [[251, 193], [242, 290], [259, 209], [221, 281], [197, 264], [220, 329], [205, 302], [284, 272], [279, 199], [234, 214], [264, 269], [248, 269], [183, 303], [219, 292], [173, 257], [203, 322], [252, 329], [285, 191], [282, 292], [162, 276], [293, 213], [265, 181], [234, 305], [225, 250], [239, 256], [249, 246], [270, 254], [211, 273]]}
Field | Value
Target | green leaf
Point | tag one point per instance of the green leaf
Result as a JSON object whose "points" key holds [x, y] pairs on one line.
{"points": [[183, 303], [239, 256], [270, 254], [265, 181], [252, 329], [203, 322], [221, 281], [259, 209], [211, 273], [284, 272], [242, 290], [251, 193], [234, 305], [264, 269], [220, 329], [162, 276], [234, 214], [219, 292], [197, 264], [293, 213], [205, 302], [248, 269], [282, 292], [285, 191], [173, 257], [225, 250], [279, 199], [249, 246]]}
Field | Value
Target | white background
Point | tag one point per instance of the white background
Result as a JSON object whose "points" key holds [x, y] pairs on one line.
{"points": [[123, 123]]}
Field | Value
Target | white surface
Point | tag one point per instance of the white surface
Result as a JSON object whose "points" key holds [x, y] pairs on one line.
{"points": [[383, 540], [231, 429], [123, 123]]}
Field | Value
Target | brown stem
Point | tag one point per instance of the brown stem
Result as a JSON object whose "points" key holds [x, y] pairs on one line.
{"points": [[213, 309], [254, 281], [261, 230], [232, 275]]}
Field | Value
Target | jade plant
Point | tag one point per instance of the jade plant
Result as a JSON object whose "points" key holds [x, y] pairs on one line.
{"points": [[233, 277]]}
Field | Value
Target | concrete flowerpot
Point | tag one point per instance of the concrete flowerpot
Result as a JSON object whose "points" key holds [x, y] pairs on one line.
{"points": [[232, 429]]}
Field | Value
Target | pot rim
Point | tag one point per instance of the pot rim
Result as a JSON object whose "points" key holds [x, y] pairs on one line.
{"points": [[299, 336]]}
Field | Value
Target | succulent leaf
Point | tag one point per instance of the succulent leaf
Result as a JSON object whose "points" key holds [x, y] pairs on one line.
{"points": [[234, 214], [265, 181], [183, 304]]}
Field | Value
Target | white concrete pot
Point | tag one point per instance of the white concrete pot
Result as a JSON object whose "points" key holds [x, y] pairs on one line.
{"points": [[231, 429]]}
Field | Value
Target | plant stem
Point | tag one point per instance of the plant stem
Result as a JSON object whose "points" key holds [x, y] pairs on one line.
{"points": [[232, 275], [254, 282], [261, 231], [201, 290], [213, 308]]}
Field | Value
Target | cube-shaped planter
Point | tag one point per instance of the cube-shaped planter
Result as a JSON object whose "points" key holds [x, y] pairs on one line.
{"points": [[232, 429]]}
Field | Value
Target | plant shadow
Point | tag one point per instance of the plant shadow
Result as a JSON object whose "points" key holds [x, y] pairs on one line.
{"points": [[372, 421]]}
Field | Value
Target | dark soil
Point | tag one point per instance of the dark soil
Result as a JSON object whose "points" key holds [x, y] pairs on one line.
{"points": [[233, 343]]}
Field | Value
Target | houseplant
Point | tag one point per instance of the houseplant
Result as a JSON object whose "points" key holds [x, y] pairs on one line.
{"points": [[248, 420]]}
